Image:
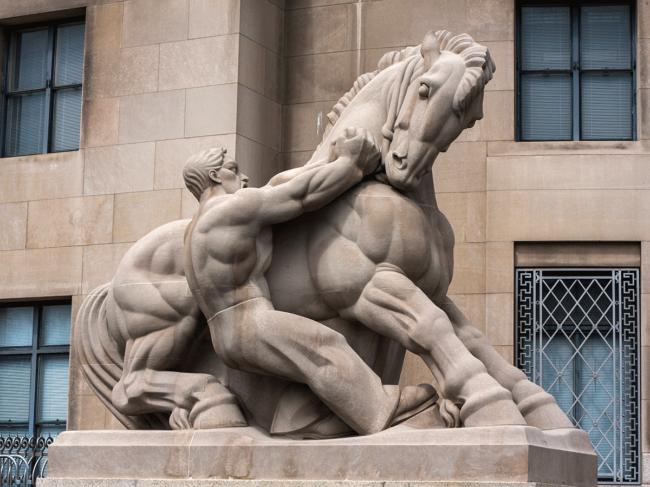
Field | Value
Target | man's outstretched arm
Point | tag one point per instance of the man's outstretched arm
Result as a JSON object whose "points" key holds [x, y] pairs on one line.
{"points": [[312, 187]]}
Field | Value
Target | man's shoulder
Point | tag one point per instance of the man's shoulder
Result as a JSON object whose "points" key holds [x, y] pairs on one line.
{"points": [[228, 209]]}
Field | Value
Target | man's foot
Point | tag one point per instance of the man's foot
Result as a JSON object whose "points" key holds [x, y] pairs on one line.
{"points": [[413, 400]]}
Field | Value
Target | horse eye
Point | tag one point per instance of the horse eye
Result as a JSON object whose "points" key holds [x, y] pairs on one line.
{"points": [[423, 91]]}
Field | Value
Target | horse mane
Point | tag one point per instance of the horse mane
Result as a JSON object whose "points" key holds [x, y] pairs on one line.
{"points": [[387, 60]]}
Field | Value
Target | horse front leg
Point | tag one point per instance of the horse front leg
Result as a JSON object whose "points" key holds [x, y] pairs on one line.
{"points": [[392, 305], [537, 406]]}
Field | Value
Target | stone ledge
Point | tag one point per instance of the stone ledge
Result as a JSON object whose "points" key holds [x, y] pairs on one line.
{"points": [[506, 454], [48, 482]]}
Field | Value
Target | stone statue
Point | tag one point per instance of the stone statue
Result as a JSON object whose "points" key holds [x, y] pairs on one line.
{"points": [[311, 344]]}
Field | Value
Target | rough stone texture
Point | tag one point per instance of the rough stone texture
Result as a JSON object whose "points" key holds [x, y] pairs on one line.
{"points": [[152, 116], [154, 21], [70, 221], [119, 168], [49, 482], [13, 226], [201, 117], [100, 122], [505, 454], [28, 178], [207, 61], [121, 72], [213, 18], [136, 214], [40, 272], [259, 118], [104, 27]]}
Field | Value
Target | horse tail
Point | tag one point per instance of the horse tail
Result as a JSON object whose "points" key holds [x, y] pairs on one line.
{"points": [[99, 356]]}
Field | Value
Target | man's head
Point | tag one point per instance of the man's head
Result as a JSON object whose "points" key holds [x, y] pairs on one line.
{"points": [[212, 167]]}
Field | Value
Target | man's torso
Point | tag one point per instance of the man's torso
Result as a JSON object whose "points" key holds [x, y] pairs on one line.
{"points": [[229, 257]]}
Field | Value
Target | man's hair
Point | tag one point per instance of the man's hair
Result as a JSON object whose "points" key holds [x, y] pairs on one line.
{"points": [[196, 172]]}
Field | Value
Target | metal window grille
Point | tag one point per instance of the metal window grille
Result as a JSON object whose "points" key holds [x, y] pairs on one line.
{"points": [[577, 337], [23, 460]]}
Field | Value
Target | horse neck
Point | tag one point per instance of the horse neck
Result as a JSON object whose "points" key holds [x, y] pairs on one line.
{"points": [[367, 110]]}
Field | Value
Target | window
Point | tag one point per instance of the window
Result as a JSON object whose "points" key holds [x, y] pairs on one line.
{"points": [[41, 102], [575, 71], [34, 351], [577, 337]]}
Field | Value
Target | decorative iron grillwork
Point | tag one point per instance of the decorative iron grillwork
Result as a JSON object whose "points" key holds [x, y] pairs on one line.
{"points": [[577, 338], [23, 460]]}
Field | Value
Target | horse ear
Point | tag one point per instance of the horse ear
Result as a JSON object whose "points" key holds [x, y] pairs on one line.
{"points": [[430, 49]]}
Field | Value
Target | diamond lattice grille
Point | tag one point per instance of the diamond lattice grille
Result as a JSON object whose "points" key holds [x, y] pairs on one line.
{"points": [[577, 338]]}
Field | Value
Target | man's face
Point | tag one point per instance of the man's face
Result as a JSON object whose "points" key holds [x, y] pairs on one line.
{"points": [[231, 178]]}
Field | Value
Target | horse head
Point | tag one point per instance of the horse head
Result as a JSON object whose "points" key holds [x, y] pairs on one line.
{"points": [[444, 96]]}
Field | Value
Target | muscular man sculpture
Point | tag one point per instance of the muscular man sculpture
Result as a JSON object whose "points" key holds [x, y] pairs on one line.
{"points": [[374, 264], [228, 249]]}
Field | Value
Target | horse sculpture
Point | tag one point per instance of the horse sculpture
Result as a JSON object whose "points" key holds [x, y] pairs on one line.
{"points": [[374, 265]]}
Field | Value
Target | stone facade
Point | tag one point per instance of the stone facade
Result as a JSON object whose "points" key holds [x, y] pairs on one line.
{"points": [[164, 79]]}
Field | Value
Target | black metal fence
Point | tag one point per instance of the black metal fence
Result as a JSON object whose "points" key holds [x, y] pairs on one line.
{"points": [[23, 459]]}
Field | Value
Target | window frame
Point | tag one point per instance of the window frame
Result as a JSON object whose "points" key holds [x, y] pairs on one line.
{"points": [[50, 89], [526, 311], [575, 71], [35, 352]]}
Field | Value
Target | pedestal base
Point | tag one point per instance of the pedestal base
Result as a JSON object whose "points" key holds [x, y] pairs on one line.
{"points": [[271, 483], [506, 454]]}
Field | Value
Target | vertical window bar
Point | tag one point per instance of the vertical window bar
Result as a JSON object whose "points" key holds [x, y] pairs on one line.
{"points": [[575, 74], [537, 320], [33, 376], [48, 90], [633, 44], [3, 106], [618, 372]]}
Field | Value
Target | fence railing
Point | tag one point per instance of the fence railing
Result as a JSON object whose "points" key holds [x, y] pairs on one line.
{"points": [[23, 459]]}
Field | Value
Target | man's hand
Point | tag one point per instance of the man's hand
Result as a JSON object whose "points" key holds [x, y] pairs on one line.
{"points": [[358, 146]]}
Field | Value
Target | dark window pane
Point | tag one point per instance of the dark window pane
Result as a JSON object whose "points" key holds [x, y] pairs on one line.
{"points": [[28, 60], [69, 56], [606, 106], [14, 430], [25, 124], [55, 328], [559, 371], [546, 107], [596, 410], [545, 38], [49, 429], [66, 120], [605, 40], [52, 388], [16, 326], [15, 373]]}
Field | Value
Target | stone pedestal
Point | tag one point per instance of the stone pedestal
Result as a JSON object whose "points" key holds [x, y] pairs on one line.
{"points": [[512, 454]]}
